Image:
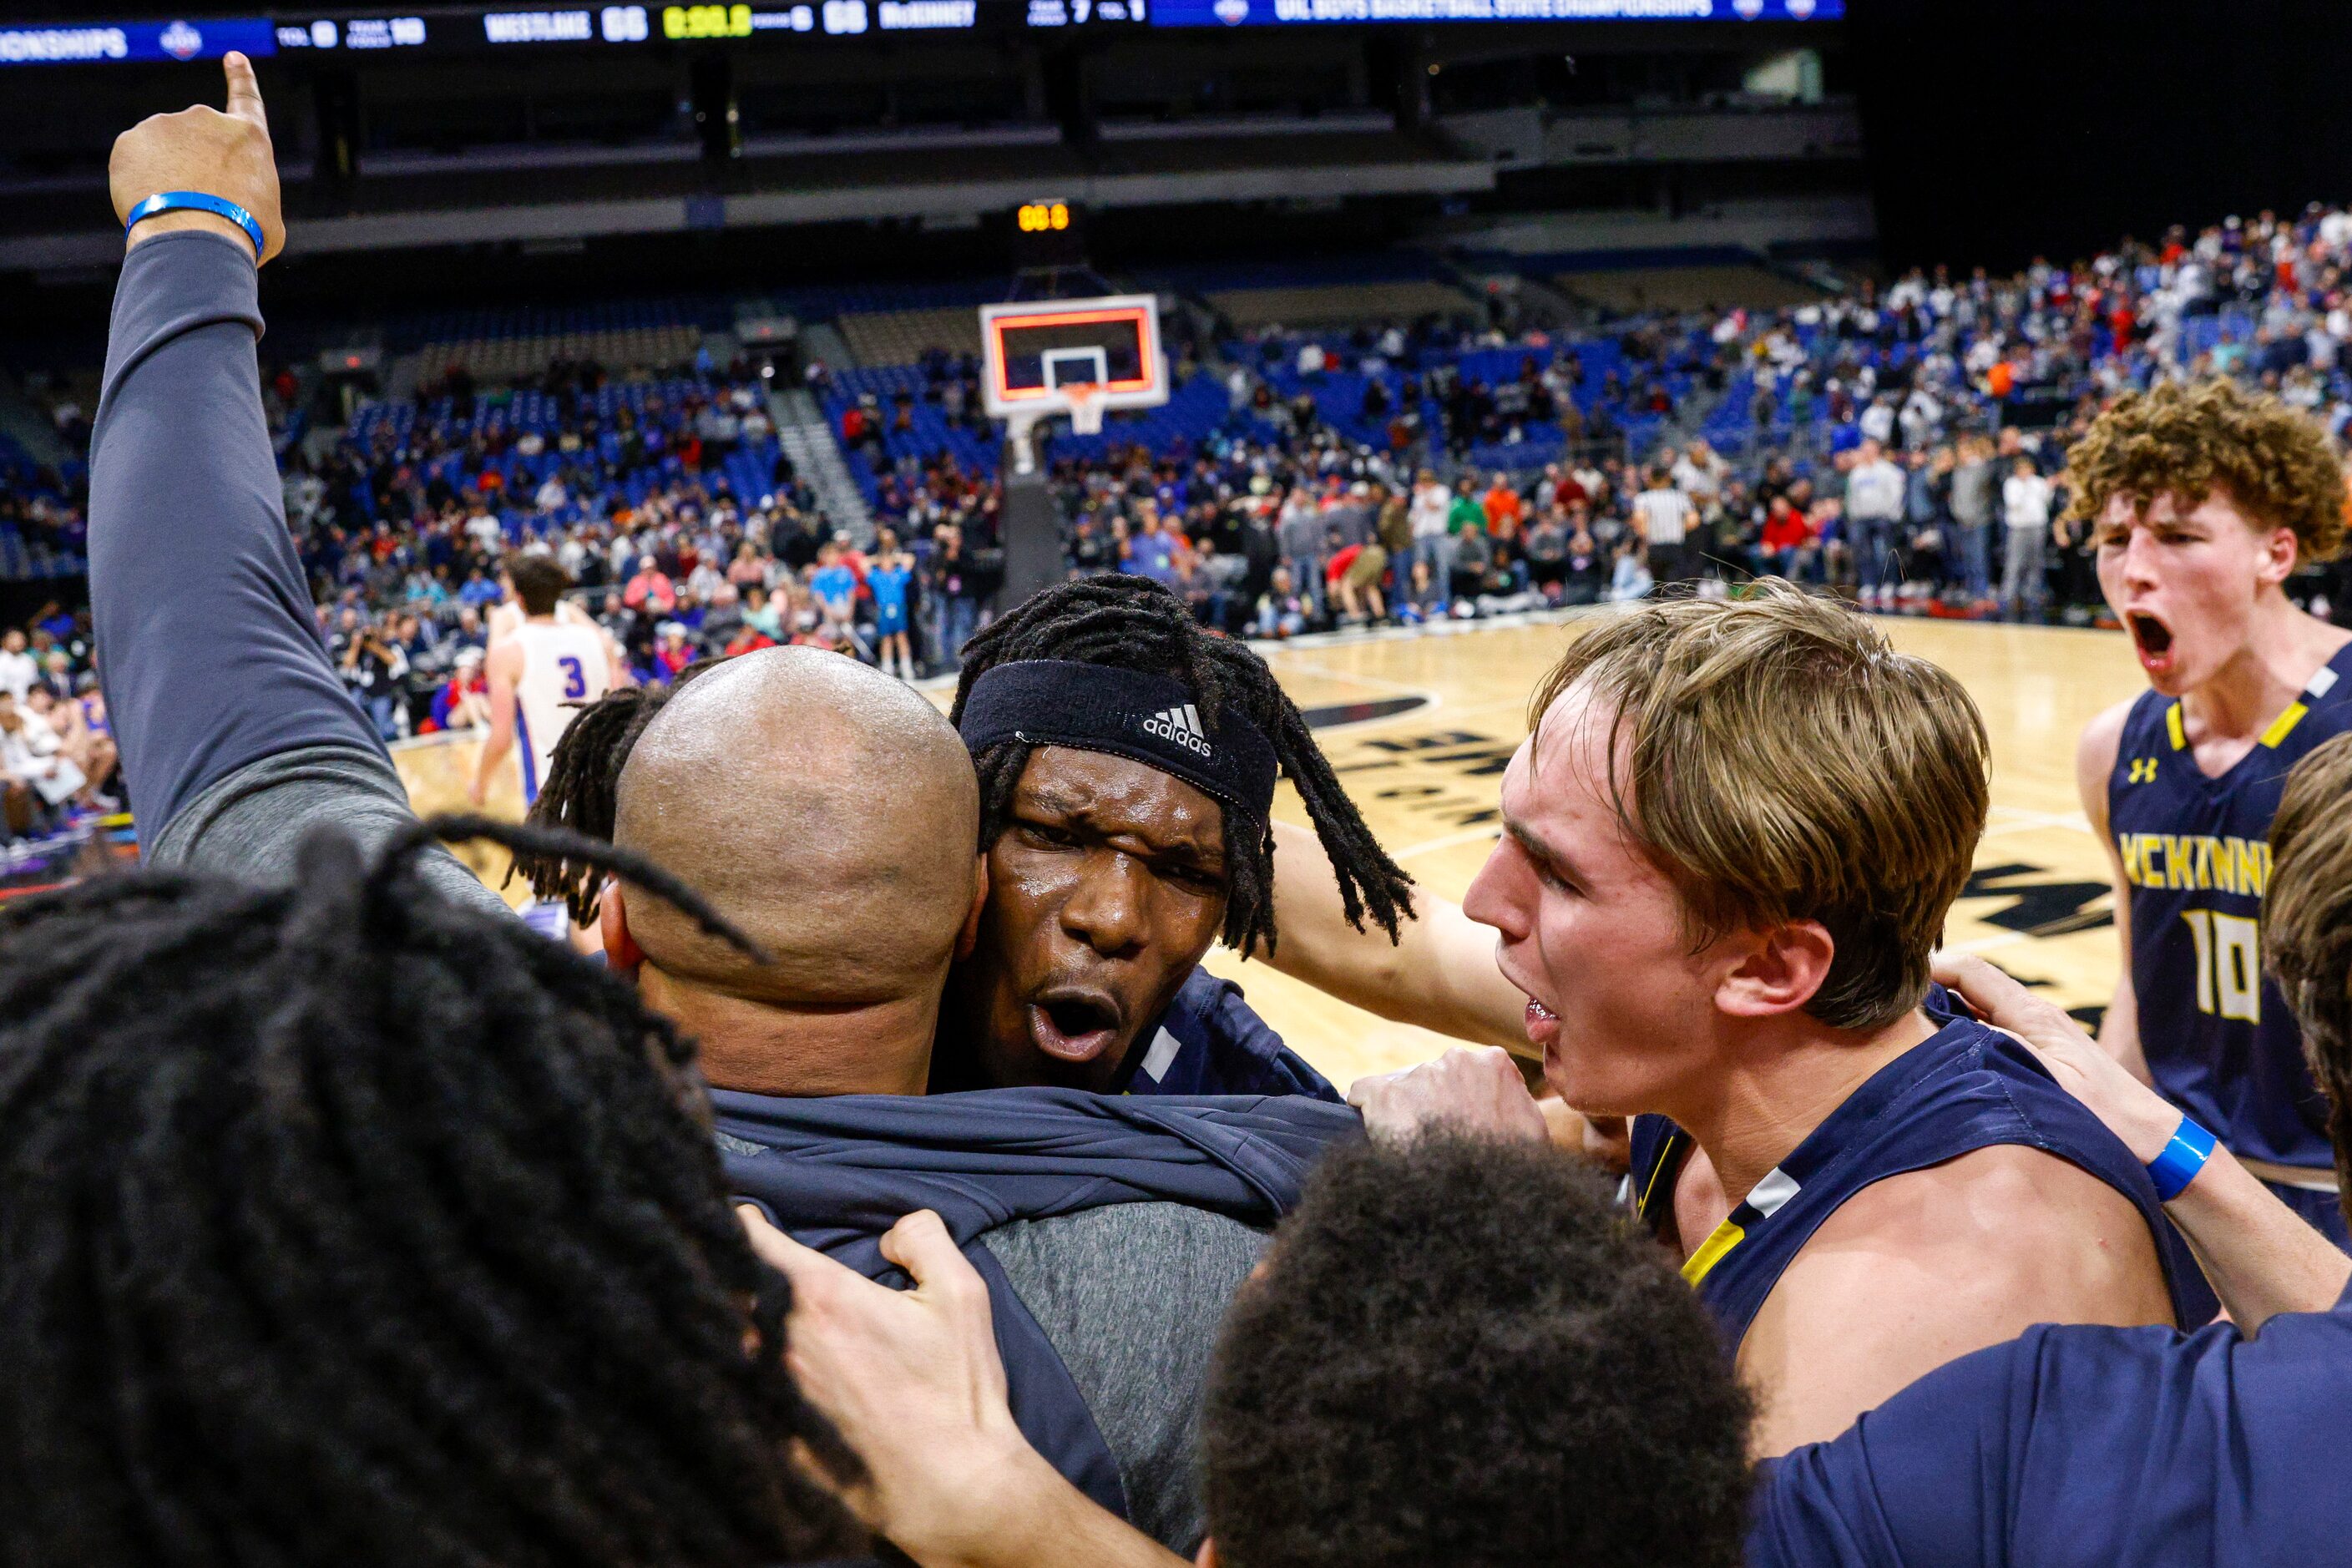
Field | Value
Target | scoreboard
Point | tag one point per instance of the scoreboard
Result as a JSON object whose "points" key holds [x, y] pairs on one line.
{"points": [[591, 28]]}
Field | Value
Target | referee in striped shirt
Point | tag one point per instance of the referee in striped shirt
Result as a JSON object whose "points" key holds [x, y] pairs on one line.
{"points": [[1663, 516]]}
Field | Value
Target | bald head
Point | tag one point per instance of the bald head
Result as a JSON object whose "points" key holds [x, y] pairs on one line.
{"points": [[824, 809]]}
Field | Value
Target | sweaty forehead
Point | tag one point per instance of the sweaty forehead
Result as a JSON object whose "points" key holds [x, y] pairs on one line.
{"points": [[2216, 509], [1119, 795]]}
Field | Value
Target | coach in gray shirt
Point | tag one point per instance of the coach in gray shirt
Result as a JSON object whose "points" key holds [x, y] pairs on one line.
{"points": [[237, 738]]}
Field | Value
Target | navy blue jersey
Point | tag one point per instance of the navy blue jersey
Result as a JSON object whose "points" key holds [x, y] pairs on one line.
{"points": [[1210, 1041], [837, 1172], [2084, 1446], [2220, 1040], [1968, 1087]]}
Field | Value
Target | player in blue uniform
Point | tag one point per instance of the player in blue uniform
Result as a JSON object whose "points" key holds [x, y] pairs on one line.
{"points": [[1967, 1087], [2203, 503], [1127, 763], [886, 580], [1729, 847]]}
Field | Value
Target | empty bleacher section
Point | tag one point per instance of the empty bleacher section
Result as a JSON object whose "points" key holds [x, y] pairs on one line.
{"points": [[888, 325], [901, 337], [1380, 287], [504, 345], [1637, 290]]}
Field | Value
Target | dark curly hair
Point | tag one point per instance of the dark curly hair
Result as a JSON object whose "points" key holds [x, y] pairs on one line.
{"points": [[2307, 928], [2274, 461], [342, 1223], [1458, 1353], [1133, 623]]}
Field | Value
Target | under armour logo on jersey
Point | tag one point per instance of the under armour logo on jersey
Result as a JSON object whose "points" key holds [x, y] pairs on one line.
{"points": [[1180, 724], [2143, 770]]}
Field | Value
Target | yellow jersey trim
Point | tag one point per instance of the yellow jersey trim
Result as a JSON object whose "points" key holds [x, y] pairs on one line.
{"points": [[1665, 1158], [1712, 1250], [2284, 725], [2172, 727]]}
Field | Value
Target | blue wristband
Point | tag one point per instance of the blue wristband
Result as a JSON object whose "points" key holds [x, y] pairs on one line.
{"points": [[2173, 1170], [197, 201]]}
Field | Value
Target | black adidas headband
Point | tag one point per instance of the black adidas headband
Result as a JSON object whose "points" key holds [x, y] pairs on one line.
{"points": [[1147, 719]]}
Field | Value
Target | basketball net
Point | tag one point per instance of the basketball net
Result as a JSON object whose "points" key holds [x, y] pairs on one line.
{"points": [[1086, 398]]}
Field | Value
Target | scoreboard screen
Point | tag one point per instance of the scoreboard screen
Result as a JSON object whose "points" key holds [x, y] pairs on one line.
{"points": [[101, 43], [593, 28], [1284, 13]]}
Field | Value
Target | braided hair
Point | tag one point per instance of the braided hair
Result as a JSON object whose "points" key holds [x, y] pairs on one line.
{"points": [[1133, 623], [342, 1224], [584, 790]]}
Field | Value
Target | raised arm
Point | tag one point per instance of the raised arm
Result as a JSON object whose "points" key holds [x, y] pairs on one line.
{"points": [[236, 732], [1440, 974]]}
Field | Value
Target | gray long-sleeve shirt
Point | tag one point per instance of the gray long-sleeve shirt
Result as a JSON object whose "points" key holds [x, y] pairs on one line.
{"points": [[238, 738]]}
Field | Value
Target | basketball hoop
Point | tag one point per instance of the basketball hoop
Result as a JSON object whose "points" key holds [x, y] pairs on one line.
{"points": [[1086, 398]]}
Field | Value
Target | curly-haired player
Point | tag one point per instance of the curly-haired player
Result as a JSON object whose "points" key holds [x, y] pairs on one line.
{"points": [[2203, 502]]}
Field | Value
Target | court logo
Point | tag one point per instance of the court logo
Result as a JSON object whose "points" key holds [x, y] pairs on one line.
{"points": [[1749, 9], [181, 41], [1181, 725], [1801, 9], [1233, 13], [2143, 770]]}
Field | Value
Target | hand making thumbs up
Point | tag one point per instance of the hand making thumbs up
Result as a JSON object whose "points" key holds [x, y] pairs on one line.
{"points": [[204, 153]]}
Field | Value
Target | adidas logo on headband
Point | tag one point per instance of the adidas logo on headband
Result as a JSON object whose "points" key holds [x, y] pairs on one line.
{"points": [[1180, 724]]}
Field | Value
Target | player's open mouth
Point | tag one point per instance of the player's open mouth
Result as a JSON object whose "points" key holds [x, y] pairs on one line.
{"points": [[1542, 1022], [2151, 639], [1074, 1025]]}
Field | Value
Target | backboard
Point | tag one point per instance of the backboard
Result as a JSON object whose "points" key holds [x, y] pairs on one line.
{"points": [[1034, 349]]}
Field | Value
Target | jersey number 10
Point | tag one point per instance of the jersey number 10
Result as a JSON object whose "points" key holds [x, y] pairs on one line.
{"points": [[2229, 963]]}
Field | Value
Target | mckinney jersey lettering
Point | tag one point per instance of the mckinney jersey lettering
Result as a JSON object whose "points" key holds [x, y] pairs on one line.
{"points": [[2196, 858], [1967, 1087], [2195, 861]]}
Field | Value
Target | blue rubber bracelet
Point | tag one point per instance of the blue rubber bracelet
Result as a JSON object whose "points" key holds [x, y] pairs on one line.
{"points": [[2173, 1170], [197, 201]]}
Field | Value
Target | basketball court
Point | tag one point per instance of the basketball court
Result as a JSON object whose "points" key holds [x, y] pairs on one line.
{"points": [[1420, 725]]}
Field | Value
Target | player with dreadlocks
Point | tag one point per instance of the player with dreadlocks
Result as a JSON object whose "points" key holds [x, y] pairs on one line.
{"points": [[345, 1224], [1127, 764]]}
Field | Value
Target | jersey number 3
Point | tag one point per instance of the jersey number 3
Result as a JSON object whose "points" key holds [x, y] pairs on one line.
{"points": [[575, 679], [2229, 963]]}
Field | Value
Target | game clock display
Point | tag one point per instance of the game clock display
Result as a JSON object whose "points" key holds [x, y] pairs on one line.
{"points": [[1048, 232]]}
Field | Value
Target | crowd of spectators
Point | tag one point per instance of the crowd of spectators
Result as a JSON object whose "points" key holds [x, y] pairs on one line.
{"points": [[1903, 445], [648, 500]]}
